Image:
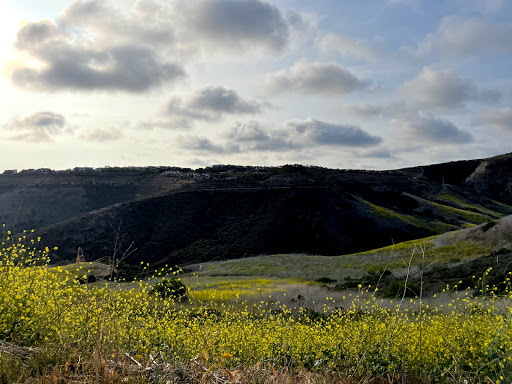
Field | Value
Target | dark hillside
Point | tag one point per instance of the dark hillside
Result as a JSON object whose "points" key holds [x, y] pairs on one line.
{"points": [[230, 212]]}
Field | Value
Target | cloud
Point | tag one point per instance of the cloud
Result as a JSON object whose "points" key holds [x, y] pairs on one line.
{"points": [[145, 24], [314, 77], [500, 119], [445, 90], [238, 24], [94, 46], [427, 129], [378, 154], [176, 123], [348, 47], [37, 128], [210, 103], [293, 135], [103, 135], [203, 144], [249, 132], [254, 136], [458, 38], [365, 110], [321, 133]]}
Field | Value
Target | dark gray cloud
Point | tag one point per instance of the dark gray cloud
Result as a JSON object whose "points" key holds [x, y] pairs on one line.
{"points": [[127, 68], [322, 133], [316, 78], [235, 24], [499, 118], [445, 90], [103, 135], [458, 38], [94, 47], [294, 135], [36, 128], [217, 99], [210, 103], [427, 129]]}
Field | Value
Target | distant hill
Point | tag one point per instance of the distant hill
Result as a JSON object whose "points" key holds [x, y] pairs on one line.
{"points": [[225, 212]]}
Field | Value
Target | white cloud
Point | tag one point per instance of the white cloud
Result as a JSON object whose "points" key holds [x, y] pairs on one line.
{"points": [[321, 133], [103, 135], [76, 54], [210, 103], [445, 90], [500, 119], [458, 38], [421, 129], [315, 78], [236, 26], [36, 128]]}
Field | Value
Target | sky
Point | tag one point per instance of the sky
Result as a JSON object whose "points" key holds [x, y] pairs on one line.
{"points": [[373, 84]]}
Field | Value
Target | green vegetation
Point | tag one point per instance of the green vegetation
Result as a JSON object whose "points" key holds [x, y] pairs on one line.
{"points": [[464, 204], [435, 226], [229, 328], [170, 289], [506, 207]]}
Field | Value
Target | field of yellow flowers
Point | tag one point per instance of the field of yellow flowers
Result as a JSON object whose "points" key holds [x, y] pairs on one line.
{"points": [[105, 327]]}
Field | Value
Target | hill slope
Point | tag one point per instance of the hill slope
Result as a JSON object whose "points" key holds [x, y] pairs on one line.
{"points": [[230, 212]]}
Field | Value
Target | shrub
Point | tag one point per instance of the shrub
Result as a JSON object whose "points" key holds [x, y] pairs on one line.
{"points": [[396, 289], [326, 280], [170, 289]]}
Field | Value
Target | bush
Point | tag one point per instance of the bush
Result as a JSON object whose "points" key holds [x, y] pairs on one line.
{"points": [[396, 289], [172, 288], [326, 280]]}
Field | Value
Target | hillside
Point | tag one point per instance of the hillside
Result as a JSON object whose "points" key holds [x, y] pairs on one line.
{"points": [[446, 259], [227, 212]]}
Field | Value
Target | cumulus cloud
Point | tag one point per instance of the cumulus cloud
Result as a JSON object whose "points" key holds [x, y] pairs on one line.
{"points": [[145, 24], [235, 24], [210, 103], [93, 46], [428, 129], [315, 78], [458, 38], [37, 128], [103, 135], [445, 90], [254, 136], [348, 47], [322, 133], [500, 119], [293, 135]]}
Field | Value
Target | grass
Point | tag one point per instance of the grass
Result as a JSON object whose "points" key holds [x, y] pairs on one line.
{"points": [[506, 207], [393, 257], [465, 205], [215, 289], [435, 226]]}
